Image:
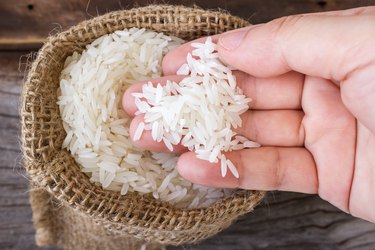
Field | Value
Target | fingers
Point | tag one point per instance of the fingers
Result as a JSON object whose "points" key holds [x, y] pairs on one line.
{"points": [[273, 127], [269, 128], [316, 45], [146, 141], [268, 168], [281, 92]]}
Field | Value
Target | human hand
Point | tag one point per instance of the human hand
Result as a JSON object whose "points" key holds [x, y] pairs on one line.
{"points": [[312, 81]]}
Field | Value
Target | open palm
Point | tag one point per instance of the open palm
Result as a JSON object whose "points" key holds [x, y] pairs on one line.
{"points": [[317, 135]]}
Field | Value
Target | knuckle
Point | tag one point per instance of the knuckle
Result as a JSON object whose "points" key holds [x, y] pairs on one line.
{"points": [[282, 30], [284, 26]]}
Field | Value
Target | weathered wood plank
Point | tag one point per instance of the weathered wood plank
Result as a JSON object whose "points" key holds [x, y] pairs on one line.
{"points": [[26, 23], [16, 229]]}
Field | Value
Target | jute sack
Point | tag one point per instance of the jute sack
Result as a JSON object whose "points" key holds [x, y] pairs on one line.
{"points": [[68, 210]]}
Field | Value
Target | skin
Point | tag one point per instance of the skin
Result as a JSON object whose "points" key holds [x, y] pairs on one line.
{"points": [[312, 81]]}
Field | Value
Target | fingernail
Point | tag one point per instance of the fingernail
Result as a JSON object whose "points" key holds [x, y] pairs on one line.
{"points": [[232, 40]]}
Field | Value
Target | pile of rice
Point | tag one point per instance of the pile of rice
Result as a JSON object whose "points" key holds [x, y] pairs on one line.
{"points": [[91, 89], [200, 112]]}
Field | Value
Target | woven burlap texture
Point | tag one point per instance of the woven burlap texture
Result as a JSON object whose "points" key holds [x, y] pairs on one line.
{"points": [[69, 210]]}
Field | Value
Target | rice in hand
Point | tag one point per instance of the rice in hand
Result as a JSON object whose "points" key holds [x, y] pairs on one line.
{"points": [[200, 112]]}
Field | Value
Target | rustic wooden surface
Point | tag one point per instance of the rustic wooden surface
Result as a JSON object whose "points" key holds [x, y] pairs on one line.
{"points": [[283, 221]]}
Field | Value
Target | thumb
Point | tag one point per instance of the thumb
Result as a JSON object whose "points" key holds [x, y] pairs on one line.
{"points": [[336, 47]]}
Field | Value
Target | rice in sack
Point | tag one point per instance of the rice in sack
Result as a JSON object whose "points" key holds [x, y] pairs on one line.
{"points": [[71, 211]]}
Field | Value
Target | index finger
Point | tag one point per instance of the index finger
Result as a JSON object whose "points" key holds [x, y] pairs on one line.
{"points": [[265, 168], [174, 59]]}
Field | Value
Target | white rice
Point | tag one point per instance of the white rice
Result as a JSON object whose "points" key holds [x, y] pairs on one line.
{"points": [[91, 87], [200, 112]]}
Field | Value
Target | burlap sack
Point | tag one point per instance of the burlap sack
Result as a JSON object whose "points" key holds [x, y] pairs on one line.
{"points": [[73, 213]]}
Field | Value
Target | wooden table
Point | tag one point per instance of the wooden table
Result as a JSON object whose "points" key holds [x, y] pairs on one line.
{"points": [[282, 221]]}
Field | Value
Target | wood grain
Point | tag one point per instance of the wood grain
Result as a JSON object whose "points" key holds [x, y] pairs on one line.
{"points": [[16, 229], [26, 23]]}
